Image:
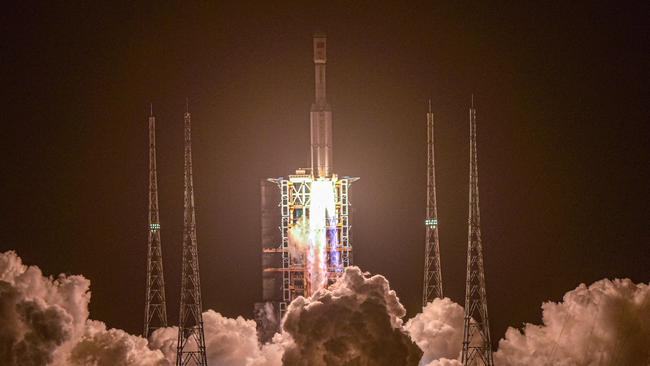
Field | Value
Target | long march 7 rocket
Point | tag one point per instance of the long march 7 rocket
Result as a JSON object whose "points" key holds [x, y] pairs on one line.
{"points": [[312, 246], [321, 114]]}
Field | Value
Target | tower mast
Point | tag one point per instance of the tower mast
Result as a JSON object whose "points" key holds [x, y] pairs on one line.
{"points": [[432, 272], [477, 345], [191, 340], [155, 308]]}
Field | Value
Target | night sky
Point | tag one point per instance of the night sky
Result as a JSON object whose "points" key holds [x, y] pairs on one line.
{"points": [[561, 92]]}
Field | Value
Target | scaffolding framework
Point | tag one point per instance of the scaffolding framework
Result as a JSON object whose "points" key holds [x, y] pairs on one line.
{"points": [[295, 201]]}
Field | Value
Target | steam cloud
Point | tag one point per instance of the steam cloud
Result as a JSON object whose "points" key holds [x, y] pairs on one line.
{"points": [[607, 323], [438, 331], [44, 321], [357, 321], [228, 341], [99, 346]]}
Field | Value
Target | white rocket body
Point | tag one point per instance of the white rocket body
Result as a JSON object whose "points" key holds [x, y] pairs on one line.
{"points": [[321, 114]]}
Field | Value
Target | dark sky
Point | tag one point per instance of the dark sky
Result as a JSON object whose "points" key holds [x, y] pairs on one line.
{"points": [[561, 92]]}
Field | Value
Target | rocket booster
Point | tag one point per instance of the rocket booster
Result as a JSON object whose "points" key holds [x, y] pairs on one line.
{"points": [[321, 114]]}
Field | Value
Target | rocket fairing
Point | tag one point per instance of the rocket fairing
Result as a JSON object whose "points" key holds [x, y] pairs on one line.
{"points": [[321, 114]]}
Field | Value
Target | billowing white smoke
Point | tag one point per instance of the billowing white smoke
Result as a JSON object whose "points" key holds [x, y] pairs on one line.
{"points": [[228, 341], [357, 321], [101, 347], [45, 321], [443, 362], [438, 331], [607, 323]]}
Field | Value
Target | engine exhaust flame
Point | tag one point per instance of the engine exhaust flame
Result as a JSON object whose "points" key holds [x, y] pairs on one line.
{"points": [[314, 236], [322, 212]]}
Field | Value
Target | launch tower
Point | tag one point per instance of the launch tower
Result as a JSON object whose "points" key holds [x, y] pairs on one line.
{"points": [[155, 309], [477, 345], [432, 272], [312, 246], [191, 339]]}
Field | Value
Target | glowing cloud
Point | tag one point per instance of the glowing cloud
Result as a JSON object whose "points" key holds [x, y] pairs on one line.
{"points": [[357, 320], [607, 323], [438, 331]]}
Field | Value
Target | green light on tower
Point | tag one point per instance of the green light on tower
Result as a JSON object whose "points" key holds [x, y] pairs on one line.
{"points": [[431, 222], [154, 227]]}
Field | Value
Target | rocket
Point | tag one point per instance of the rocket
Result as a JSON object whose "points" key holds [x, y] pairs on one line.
{"points": [[321, 114]]}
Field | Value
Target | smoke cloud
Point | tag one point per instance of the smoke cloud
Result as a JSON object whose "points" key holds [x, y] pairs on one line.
{"points": [[39, 315], [607, 323], [228, 341], [44, 321], [438, 331], [357, 321], [101, 347]]}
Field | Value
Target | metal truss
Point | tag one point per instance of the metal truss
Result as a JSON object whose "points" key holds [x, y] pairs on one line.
{"points": [[155, 308], [432, 270], [191, 339], [295, 202], [477, 345]]}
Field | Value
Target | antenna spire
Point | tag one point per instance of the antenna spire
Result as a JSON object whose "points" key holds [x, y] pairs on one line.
{"points": [[477, 345], [432, 272], [191, 339], [155, 308], [150, 109], [187, 105], [190, 349]]}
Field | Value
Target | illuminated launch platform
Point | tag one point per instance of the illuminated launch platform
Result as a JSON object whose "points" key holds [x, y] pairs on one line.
{"points": [[306, 236]]}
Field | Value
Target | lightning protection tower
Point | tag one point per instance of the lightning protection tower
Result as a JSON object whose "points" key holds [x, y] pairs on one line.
{"points": [[477, 345], [432, 272], [155, 309], [191, 340]]}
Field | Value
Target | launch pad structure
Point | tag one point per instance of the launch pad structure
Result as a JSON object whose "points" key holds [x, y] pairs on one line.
{"points": [[295, 203], [306, 241]]}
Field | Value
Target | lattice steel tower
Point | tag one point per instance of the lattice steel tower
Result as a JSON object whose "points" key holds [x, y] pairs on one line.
{"points": [[432, 272], [191, 339], [477, 345], [155, 308]]}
